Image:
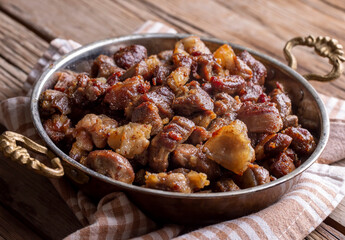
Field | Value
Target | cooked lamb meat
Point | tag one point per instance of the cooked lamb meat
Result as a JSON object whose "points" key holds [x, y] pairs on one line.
{"points": [[191, 45], [255, 175], [205, 66], [251, 92], [53, 101], [104, 66], [259, 70], [225, 185], [203, 119], [130, 140], [282, 165], [161, 74], [260, 117], [110, 164], [148, 113], [232, 84], [58, 127], [224, 103], [178, 78], [123, 93], [163, 98], [302, 140], [66, 82], [176, 181], [278, 143], [195, 100], [199, 135], [166, 56], [190, 157], [176, 132], [129, 56], [144, 68]]}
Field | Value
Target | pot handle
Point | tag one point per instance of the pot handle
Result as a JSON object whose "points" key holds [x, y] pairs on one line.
{"points": [[10, 148], [323, 46]]}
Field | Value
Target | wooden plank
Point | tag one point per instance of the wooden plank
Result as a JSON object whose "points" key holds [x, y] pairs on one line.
{"points": [[14, 229], [325, 231], [35, 200]]}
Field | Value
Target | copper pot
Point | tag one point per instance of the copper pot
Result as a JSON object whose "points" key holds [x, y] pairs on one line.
{"points": [[197, 208]]}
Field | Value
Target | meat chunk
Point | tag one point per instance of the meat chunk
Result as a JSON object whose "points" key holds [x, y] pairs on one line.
{"points": [[282, 165], [163, 98], [110, 164], [199, 135], [190, 45], [226, 57], [66, 82], [53, 101], [203, 119], [255, 175], [190, 157], [130, 140], [259, 70], [146, 68], [177, 182], [220, 122], [104, 66], [205, 66], [178, 78], [232, 84], [302, 140], [97, 127], [251, 92], [166, 56], [225, 185], [58, 127], [148, 113], [176, 132], [278, 143], [120, 95], [195, 100], [88, 90], [230, 147], [161, 74], [260, 117], [224, 104], [128, 56]]}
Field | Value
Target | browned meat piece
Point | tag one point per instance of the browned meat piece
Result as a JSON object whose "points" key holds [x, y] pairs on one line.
{"points": [[260, 117], [163, 98], [58, 127], [225, 185], [148, 113], [255, 175], [88, 90], [104, 66], [130, 140], [191, 45], [259, 70], [232, 84], [205, 66], [243, 70], [78, 153], [220, 122], [129, 56], [52, 101], [123, 93], [251, 92], [66, 82], [190, 157], [224, 103], [195, 100], [110, 164], [291, 154], [145, 68], [277, 144], [282, 102], [178, 78], [231, 147], [176, 132], [161, 74], [290, 121], [260, 152], [139, 179], [199, 135], [302, 140], [282, 165], [177, 182], [96, 127], [203, 119], [226, 57], [82, 146], [166, 56]]}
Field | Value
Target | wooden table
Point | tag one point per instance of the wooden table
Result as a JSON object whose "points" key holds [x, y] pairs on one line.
{"points": [[30, 208]]}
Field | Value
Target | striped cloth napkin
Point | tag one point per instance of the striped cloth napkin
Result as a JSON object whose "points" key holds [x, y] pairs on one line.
{"points": [[294, 216]]}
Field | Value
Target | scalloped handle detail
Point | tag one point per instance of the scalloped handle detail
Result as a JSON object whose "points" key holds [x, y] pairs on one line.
{"points": [[323, 46], [10, 148]]}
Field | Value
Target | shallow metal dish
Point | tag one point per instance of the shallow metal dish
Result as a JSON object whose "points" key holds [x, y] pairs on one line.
{"points": [[203, 208]]}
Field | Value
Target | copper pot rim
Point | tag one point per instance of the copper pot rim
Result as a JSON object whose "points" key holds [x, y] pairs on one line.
{"points": [[38, 87]]}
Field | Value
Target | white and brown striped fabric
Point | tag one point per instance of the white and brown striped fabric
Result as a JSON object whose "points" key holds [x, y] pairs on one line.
{"points": [[299, 212]]}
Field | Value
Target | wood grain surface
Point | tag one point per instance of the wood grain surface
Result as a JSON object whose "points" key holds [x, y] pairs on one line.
{"points": [[26, 28]]}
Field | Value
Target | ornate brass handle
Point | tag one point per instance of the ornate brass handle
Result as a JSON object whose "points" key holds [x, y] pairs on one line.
{"points": [[8, 145], [325, 47]]}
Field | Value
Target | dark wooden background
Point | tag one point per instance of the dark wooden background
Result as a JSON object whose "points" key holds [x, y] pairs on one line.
{"points": [[30, 208]]}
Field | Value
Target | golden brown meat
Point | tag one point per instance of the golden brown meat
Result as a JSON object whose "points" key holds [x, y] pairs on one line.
{"points": [[230, 147]]}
